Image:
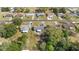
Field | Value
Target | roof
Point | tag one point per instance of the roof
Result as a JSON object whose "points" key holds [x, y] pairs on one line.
{"points": [[68, 24], [60, 14], [39, 28], [74, 14], [8, 15], [29, 14], [18, 15], [24, 28], [40, 13]]}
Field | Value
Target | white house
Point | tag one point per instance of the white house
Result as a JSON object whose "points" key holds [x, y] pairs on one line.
{"points": [[29, 14], [39, 28], [40, 14], [50, 16], [24, 28]]}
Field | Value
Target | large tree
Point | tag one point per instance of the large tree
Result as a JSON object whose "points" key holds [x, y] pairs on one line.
{"points": [[9, 30], [26, 10], [55, 11], [17, 21], [51, 36], [19, 44], [54, 35], [62, 10], [5, 9]]}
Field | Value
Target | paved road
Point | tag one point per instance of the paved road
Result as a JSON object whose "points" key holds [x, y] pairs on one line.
{"points": [[7, 21]]}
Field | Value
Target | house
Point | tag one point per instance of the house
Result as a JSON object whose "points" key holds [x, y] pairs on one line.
{"points": [[61, 15], [68, 25], [73, 9], [9, 16], [24, 28], [38, 29], [29, 14], [73, 14], [50, 16], [2, 22], [19, 15], [39, 14]]}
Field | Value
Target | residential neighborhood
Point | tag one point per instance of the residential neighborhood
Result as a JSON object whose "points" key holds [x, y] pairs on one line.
{"points": [[39, 29]]}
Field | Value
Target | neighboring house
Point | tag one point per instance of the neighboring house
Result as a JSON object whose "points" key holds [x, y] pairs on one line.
{"points": [[40, 14], [61, 15], [29, 14], [10, 16], [39, 29], [19, 15], [2, 22], [68, 25], [24, 28], [50, 16], [73, 14], [73, 9], [8, 22]]}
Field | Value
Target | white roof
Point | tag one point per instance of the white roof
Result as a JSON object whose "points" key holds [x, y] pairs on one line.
{"points": [[30, 14], [24, 28]]}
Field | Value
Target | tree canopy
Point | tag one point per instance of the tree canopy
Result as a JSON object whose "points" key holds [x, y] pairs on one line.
{"points": [[8, 31], [17, 21]]}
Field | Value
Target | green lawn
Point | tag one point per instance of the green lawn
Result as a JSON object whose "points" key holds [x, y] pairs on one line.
{"points": [[76, 19], [42, 17], [27, 18]]}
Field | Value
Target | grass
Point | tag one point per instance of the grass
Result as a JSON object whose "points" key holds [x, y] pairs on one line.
{"points": [[75, 38], [76, 19], [28, 18], [42, 17], [31, 41]]}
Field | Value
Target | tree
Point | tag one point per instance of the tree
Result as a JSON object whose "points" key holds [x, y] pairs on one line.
{"points": [[14, 46], [49, 47], [17, 21], [5, 9], [62, 10], [77, 28], [38, 10], [43, 46], [22, 39], [55, 11], [26, 10], [19, 10], [9, 30], [52, 36], [19, 44]]}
